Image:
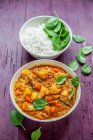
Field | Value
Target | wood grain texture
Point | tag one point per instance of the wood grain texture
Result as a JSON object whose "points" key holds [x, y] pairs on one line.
{"points": [[79, 15]]}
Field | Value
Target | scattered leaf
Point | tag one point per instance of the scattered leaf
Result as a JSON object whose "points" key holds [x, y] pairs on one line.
{"points": [[16, 118], [81, 57], [78, 38], [86, 50], [73, 65], [36, 134], [86, 69]]}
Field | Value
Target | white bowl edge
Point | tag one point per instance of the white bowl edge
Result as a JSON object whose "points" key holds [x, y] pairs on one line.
{"points": [[46, 56], [36, 63]]}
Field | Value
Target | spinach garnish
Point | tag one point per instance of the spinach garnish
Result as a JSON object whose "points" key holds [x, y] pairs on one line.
{"points": [[86, 50], [51, 23], [16, 118], [56, 41], [78, 38], [75, 81], [40, 104], [73, 65], [61, 79], [57, 32], [36, 134], [86, 69], [50, 33], [58, 27], [81, 57]]}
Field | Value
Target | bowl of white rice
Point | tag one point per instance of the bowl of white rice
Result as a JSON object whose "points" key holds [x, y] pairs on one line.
{"points": [[36, 42]]}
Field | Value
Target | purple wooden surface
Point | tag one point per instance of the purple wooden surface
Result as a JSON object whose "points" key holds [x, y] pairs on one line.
{"points": [[79, 15]]}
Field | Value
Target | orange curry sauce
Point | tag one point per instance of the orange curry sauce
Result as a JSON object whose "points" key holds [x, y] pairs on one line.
{"points": [[40, 82]]}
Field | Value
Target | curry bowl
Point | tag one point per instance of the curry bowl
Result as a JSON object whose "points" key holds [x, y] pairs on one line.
{"points": [[41, 63], [35, 22]]}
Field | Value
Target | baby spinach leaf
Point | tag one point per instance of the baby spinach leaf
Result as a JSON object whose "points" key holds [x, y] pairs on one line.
{"points": [[65, 42], [73, 65], [58, 27], [78, 38], [64, 33], [51, 23], [62, 25], [16, 118], [75, 81], [61, 79], [39, 104], [36, 134], [50, 33], [81, 57], [86, 69], [86, 50], [72, 93], [56, 41]]}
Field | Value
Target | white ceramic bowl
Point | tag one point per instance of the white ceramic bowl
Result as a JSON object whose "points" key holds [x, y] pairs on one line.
{"points": [[33, 22], [31, 65]]}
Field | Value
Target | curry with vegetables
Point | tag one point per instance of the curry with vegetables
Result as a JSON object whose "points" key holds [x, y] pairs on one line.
{"points": [[45, 91]]}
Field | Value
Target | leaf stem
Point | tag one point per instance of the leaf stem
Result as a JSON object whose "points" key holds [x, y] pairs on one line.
{"points": [[23, 127]]}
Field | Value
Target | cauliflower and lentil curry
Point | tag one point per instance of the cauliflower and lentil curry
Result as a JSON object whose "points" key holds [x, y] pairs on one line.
{"points": [[45, 92]]}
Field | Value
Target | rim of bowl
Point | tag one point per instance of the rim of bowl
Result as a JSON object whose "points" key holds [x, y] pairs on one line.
{"points": [[30, 117], [44, 56]]}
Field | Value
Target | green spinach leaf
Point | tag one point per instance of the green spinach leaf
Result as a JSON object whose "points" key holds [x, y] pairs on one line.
{"points": [[56, 41], [64, 33], [61, 79], [65, 42], [58, 27], [50, 33], [36, 134], [73, 65], [16, 118], [81, 57], [51, 23], [86, 50], [86, 69], [78, 38], [39, 104], [75, 81]]}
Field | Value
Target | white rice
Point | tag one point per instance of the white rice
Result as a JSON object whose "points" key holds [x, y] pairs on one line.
{"points": [[37, 41]]}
